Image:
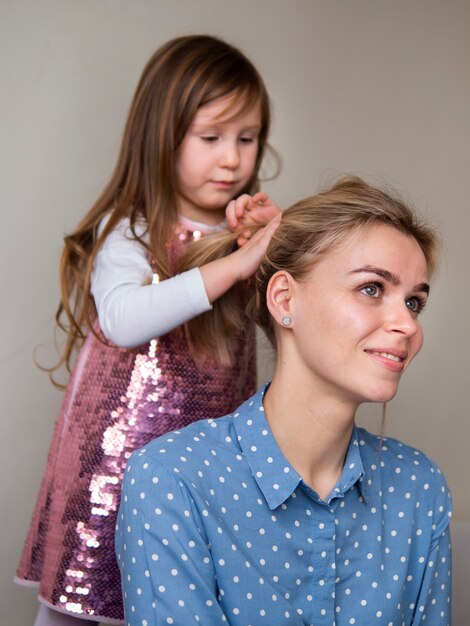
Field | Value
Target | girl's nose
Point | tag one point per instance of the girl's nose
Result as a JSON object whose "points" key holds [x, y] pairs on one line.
{"points": [[230, 156]]}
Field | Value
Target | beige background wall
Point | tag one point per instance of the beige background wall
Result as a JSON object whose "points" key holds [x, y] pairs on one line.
{"points": [[376, 87]]}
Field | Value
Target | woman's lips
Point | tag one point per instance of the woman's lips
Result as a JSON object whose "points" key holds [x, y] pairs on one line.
{"points": [[392, 359]]}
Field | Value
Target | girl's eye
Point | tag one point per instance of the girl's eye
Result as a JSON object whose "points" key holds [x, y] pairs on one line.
{"points": [[247, 139], [372, 290], [415, 305], [209, 138]]}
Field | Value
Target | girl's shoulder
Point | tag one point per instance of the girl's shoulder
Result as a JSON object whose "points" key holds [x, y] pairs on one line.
{"points": [[123, 227]]}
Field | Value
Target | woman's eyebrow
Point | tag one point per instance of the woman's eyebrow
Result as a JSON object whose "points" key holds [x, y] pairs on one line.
{"points": [[388, 276]]}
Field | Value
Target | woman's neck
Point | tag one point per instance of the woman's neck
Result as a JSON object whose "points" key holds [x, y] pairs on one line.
{"points": [[312, 430]]}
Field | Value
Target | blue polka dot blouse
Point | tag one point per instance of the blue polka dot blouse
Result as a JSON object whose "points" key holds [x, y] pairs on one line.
{"points": [[216, 527]]}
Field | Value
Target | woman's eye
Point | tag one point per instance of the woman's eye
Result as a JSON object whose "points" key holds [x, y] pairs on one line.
{"points": [[415, 305], [371, 290]]}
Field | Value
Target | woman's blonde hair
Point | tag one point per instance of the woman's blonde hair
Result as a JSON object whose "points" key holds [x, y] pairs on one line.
{"points": [[183, 75], [313, 226]]}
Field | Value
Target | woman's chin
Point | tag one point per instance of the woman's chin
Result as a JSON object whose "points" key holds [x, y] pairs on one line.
{"points": [[383, 394]]}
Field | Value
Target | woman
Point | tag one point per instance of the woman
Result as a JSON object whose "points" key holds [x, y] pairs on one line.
{"points": [[285, 512]]}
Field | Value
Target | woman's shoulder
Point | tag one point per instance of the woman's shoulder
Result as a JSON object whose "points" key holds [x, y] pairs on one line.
{"points": [[189, 445], [388, 449], [399, 469]]}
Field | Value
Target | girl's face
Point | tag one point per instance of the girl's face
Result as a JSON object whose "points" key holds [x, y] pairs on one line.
{"points": [[355, 325], [216, 159]]}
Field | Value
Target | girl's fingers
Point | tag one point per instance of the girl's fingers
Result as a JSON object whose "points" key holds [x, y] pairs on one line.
{"points": [[263, 236], [260, 197], [236, 209], [246, 209], [231, 215], [243, 237]]}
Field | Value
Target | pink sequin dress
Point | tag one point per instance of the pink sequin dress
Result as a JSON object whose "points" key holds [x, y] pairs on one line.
{"points": [[116, 401]]}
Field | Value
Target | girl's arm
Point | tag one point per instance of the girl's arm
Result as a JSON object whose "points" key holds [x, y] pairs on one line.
{"points": [[166, 564], [131, 312], [220, 275]]}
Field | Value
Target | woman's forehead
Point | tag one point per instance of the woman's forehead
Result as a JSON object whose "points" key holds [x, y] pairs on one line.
{"points": [[377, 245]]}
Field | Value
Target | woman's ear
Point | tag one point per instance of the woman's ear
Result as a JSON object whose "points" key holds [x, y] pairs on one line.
{"points": [[278, 297]]}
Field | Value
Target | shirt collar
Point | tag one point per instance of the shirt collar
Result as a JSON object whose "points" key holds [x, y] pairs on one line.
{"points": [[275, 476], [353, 470], [273, 473]]}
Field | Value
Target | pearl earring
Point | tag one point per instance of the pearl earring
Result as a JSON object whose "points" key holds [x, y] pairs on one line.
{"points": [[286, 320]]}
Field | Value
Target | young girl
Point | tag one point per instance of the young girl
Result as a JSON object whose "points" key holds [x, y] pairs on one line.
{"points": [[285, 512], [156, 305]]}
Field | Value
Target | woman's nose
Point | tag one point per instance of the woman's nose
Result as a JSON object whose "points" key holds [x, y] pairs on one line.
{"points": [[401, 319]]}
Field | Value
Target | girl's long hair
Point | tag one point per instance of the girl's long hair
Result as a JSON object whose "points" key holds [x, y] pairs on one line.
{"points": [[183, 75]]}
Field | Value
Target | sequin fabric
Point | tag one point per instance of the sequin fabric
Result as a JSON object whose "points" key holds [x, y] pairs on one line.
{"points": [[116, 401]]}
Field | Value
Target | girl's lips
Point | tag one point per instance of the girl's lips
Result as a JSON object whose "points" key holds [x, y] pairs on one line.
{"points": [[224, 183]]}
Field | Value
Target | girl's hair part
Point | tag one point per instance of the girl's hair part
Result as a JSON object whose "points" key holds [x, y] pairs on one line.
{"points": [[181, 76], [313, 226]]}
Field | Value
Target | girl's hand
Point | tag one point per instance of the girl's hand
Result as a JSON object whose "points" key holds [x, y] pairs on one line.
{"points": [[223, 273], [246, 210], [254, 248]]}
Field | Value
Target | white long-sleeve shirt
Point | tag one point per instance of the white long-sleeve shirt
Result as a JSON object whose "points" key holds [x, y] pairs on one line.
{"points": [[129, 312]]}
